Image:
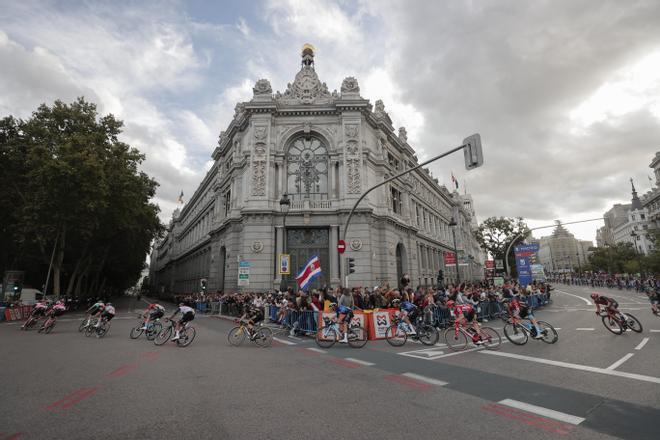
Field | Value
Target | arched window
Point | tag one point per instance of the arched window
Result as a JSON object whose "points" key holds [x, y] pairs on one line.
{"points": [[307, 169]]}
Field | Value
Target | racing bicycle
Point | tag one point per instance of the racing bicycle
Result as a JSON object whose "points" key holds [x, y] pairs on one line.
{"points": [[397, 333], [619, 322], [457, 337], [330, 333], [48, 326], [518, 330], [153, 328], [186, 334], [262, 336], [100, 331]]}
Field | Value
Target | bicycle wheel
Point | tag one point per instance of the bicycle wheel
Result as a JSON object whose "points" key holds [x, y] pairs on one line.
{"points": [[137, 331], [236, 336], [263, 337], [395, 336], [153, 330], [91, 328], [492, 339], [550, 335], [428, 335], [186, 336], [357, 337], [633, 323], [49, 328], [515, 333], [83, 325], [163, 336], [103, 330], [456, 340], [612, 325], [326, 337]]}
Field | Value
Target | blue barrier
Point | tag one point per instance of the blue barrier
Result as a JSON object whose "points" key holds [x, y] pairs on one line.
{"points": [[304, 321]]}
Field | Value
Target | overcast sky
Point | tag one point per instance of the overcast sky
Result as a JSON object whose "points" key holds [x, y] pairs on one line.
{"points": [[565, 94]]}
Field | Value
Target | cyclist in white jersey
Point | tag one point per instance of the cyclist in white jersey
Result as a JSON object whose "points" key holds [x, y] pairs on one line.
{"points": [[187, 315]]}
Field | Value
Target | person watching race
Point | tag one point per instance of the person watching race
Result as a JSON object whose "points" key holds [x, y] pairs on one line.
{"points": [[405, 309], [39, 310], [464, 314], [344, 316], [187, 315], [153, 312], [521, 310], [107, 314]]}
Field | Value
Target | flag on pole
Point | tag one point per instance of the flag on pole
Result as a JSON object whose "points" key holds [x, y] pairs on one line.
{"points": [[312, 270], [454, 180], [180, 199]]}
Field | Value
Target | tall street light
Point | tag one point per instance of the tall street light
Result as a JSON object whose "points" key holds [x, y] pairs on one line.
{"points": [[634, 236], [285, 204], [453, 225]]}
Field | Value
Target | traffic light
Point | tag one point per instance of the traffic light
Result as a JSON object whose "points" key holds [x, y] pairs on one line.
{"points": [[441, 276], [350, 264], [202, 283]]}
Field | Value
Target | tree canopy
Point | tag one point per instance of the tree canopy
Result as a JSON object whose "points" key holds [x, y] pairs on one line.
{"points": [[495, 234], [70, 185]]}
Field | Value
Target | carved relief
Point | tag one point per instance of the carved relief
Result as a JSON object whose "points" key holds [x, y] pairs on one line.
{"points": [[350, 85], [353, 175], [403, 134], [259, 178], [352, 148], [306, 88], [262, 87], [260, 133], [351, 130]]}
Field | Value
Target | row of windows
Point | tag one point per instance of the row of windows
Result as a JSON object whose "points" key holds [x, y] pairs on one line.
{"points": [[431, 223], [197, 232]]}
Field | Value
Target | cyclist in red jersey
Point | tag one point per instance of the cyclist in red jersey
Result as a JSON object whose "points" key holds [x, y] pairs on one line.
{"points": [[521, 310], [154, 311], [609, 304], [464, 313]]}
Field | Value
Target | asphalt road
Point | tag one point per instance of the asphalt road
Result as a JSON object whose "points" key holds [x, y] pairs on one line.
{"points": [[590, 384]]}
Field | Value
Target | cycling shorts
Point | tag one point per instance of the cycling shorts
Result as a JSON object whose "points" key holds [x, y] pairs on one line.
{"points": [[187, 317], [94, 311], [55, 313], [156, 314], [346, 317], [38, 312], [469, 315], [107, 316], [257, 318]]}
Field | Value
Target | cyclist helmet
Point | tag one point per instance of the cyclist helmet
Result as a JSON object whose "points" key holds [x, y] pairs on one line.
{"points": [[333, 305], [395, 301], [108, 304], [594, 295], [450, 304]]}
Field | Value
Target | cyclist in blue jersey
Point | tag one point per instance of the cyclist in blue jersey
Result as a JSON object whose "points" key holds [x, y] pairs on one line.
{"points": [[405, 309], [344, 316]]}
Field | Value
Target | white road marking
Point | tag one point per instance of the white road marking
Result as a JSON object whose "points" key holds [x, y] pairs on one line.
{"points": [[586, 329], [425, 379], [428, 353], [654, 331], [284, 341], [296, 338], [557, 328], [634, 376], [358, 361], [642, 344], [577, 296], [545, 412], [316, 350], [620, 361]]}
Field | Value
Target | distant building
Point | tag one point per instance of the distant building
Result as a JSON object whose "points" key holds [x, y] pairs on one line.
{"points": [[651, 200], [561, 251], [322, 149]]}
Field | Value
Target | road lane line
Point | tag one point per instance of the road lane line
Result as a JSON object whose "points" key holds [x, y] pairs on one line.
{"points": [[654, 331], [528, 419], [585, 329], [344, 363], [358, 361], [316, 350], [620, 361], [284, 341], [633, 376], [425, 379], [642, 344], [577, 296], [545, 412]]}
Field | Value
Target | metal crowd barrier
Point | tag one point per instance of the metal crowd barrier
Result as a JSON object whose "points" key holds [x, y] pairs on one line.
{"points": [[303, 321]]}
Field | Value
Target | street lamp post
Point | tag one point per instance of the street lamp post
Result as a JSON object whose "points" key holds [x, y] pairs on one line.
{"points": [[634, 236], [453, 224], [285, 204]]}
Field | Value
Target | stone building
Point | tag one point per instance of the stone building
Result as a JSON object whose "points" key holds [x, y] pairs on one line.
{"points": [[651, 200], [322, 150], [562, 252]]}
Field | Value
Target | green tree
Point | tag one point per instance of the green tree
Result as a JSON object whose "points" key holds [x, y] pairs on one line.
{"points": [[76, 189], [613, 259], [495, 234]]}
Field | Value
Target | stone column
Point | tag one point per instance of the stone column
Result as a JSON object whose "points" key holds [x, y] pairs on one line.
{"points": [[334, 256], [279, 247]]}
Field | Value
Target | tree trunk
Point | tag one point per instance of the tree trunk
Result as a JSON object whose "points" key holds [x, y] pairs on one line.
{"points": [[99, 270], [73, 278], [83, 276]]}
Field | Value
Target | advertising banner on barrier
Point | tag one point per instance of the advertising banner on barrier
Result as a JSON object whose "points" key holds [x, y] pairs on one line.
{"points": [[357, 321], [381, 319]]}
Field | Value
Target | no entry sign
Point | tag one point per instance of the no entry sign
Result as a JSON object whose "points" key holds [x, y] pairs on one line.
{"points": [[341, 246]]}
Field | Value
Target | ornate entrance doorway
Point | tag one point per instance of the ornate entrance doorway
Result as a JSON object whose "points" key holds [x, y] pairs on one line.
{"points": [[302, 244]]}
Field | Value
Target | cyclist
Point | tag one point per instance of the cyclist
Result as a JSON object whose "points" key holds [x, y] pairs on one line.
{"points": [[107, 314], [153, 312], [405, 308], [654, 298], [521, 310], [187, 315], [39, 310], [344, 316], [464, 313], [253, 315], [609, 304], [95, 310], [56, 310]]}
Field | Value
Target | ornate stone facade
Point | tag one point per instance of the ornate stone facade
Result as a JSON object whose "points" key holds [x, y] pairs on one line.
{"points": [[322, 150]]}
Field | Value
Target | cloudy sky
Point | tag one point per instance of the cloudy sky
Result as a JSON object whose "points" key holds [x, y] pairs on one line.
{"points": [[565, 94]]}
